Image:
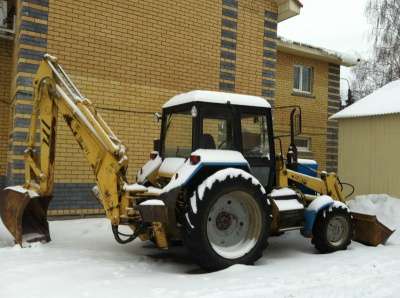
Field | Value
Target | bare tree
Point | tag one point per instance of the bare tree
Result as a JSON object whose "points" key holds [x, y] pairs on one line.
{"points": [[384, 66]]}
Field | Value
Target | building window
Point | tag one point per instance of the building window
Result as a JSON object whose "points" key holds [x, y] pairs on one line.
{"points": [[303, 144], [303, 79]]}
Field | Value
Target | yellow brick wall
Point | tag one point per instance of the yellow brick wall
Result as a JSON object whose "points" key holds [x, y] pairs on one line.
{"points": [[314, 109], [250, 45], [6, 51], [129, 57]]}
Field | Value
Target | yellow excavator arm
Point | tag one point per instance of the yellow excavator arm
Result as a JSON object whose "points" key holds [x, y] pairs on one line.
{"points": [[326, 184], [54, 94]]}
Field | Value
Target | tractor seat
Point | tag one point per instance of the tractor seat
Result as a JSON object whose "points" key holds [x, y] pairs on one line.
{"points": [[207, 142]]}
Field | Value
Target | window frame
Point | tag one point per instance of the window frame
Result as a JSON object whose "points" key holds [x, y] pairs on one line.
{"points": [[302, 148], [301, 89]]}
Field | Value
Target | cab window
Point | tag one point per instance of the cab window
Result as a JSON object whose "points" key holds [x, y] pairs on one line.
{"points": [[255, 141], [178, 135], [217, 133]]}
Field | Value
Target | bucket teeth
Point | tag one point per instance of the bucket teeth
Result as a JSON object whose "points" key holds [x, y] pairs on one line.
{"points": [[25, 216]]}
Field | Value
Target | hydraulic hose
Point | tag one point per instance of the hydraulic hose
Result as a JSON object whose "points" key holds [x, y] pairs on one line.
{"points": [[129, 238]]}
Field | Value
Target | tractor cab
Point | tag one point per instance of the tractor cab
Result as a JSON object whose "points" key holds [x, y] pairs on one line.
{"points": [[219, 121]]}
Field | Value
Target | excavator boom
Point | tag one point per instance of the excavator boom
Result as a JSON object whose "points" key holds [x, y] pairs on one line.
{"points": [[23, 209]]}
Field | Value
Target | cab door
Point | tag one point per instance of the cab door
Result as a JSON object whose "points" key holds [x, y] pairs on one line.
{"points": [[257, 144]]}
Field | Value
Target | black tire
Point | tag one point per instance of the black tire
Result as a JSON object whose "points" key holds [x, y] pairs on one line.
{"points": [[334, 217], [197, 223]]}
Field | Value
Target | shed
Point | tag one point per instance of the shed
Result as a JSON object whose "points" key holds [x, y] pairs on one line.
{"points": [[369, 142]]}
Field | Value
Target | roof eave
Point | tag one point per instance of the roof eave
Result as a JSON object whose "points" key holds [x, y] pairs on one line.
{"points": [[314, 53], [288, 9]]}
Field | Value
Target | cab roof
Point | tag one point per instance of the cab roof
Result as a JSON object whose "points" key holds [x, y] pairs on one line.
{"points": [[217, 97]]}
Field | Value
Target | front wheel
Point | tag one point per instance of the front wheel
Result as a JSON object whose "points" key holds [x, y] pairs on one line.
{"points": [[227, 224], [332, 230]]}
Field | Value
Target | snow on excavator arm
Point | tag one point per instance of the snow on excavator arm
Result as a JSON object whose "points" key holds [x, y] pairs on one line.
{"points": [[23, 209]]}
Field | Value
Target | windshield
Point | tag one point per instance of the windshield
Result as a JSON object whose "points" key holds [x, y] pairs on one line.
{"points": [[178, 135]]}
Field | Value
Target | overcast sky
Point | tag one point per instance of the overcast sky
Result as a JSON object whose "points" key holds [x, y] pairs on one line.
{"points": [[334, 24]]}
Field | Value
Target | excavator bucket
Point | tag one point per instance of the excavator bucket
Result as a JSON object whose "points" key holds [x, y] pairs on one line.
{"points": [[369, 230], [25, 215]]}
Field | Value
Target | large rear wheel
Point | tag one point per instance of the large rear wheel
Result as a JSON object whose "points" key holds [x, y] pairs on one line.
{"points": [[228, 224]]}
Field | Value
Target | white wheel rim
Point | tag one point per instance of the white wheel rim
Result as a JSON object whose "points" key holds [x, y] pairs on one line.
{"points": [[234, 225]]}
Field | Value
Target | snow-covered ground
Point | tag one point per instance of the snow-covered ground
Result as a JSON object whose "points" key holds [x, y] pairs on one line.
{"points": [[83, 260]]}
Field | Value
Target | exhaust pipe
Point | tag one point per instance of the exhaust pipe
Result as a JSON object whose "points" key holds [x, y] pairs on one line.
{"points": [[24, 214]]}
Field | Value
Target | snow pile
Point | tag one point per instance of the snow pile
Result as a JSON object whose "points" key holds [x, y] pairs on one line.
{"points": [[83, 260], [304, 161], [286, 205], [153, 202], [282, 192], [148, 168], [171, 165], [386, 208], [385, 100], [134, 187], [322, 201], [23, 190]]}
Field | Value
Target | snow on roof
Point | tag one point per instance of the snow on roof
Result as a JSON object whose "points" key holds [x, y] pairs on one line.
{"points": [[217, 97], [344, 59], [385, 100]]}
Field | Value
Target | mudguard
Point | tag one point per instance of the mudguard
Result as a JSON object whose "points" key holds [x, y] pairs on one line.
{"points": [[208, 158], [319, 204]]}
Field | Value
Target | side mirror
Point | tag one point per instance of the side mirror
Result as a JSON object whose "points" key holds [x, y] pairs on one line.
{"points": [[295, 122], [157, 117], [295, 130]]}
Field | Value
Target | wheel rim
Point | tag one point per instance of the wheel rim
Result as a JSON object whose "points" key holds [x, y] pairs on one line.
{"points": [[337, 230], [234, 224]]}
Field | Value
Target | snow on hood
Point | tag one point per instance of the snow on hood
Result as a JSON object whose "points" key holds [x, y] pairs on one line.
{"points": [[385, 100]]}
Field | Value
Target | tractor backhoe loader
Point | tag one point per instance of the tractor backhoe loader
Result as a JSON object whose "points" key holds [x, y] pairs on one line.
{"points": [[213, 181]]}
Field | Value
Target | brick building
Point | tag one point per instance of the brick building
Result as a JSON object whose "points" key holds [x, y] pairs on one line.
{"points": [[129, 57]]}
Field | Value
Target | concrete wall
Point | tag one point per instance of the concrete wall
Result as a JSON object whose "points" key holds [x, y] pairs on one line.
{"points": [[368, 154]]}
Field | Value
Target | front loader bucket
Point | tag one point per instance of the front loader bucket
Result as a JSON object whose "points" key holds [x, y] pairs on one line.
{"points": [[368, 230], [24, 215]]}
